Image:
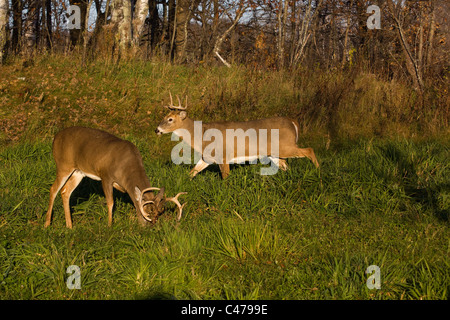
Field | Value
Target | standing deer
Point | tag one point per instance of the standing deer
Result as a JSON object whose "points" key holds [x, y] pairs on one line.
{"points": [[84, 152], [276, 147]]}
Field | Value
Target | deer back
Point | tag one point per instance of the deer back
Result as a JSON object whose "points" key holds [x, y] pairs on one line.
{"points": [[100, 154]]}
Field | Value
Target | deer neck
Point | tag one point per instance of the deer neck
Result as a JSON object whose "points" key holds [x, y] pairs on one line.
{"points": [[188, 125], [136, 178]]}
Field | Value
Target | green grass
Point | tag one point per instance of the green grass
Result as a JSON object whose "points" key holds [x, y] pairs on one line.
{"points": [[300, 234], [381, 196]]}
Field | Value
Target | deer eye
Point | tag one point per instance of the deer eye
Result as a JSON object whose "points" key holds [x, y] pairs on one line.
{"points": [[170, 120]]}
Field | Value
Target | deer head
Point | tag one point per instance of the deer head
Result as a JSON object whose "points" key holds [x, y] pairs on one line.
{"points": [[174, 120], [152, 209]]}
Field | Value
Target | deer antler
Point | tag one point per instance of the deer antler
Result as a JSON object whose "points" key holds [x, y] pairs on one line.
{"points": [[179, 107], [180, 207], [142, 204]]}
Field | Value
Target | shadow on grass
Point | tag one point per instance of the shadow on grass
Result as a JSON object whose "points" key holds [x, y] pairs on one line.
{"points": [[408, 178], [89, 187]]}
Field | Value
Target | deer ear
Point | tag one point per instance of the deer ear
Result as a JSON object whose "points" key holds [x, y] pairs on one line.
{"points": [[137, 194], [183, 115]]}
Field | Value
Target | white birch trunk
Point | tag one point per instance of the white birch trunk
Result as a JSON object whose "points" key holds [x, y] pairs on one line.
{"points": [[141, 11], [31, 25], [125, 30], [3, 24], [121, 16]]}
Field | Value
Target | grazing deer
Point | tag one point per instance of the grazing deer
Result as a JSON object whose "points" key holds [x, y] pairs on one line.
{"points": [[84, 152], [280, 144]]}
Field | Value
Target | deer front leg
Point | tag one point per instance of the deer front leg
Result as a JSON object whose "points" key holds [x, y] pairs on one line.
{"points": [[201, 165], [108, 191], [224, 170], [280, 163]]}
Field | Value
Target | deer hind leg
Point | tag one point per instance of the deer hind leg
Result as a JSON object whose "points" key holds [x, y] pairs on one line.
{"points": [[67, 190], [60, 180], [296, 152], [309, 153]]}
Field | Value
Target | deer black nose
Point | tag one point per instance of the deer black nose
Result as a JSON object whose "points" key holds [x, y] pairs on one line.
{"points": [[156, 130]]}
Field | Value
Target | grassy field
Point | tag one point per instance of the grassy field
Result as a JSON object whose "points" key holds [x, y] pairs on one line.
{"points": [[381, 196]]}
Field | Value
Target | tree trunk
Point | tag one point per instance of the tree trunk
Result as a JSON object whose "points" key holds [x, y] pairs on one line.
{"points": [[304, 31], [411, 64], [48, 24], [86, 31], [140, 13], [282, 16], [171, 26], [420, 53], [165, 21], [205, 35], [121, 18], [345, 51], [154, 23], [125, 28], [3, 27], [182, 21], [431, 37], [31, 26], [76, 35], [216, 15], [17, 25]]}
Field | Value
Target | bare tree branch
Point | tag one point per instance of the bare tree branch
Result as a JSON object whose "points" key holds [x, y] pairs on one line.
{"points": [[239, 13]]}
